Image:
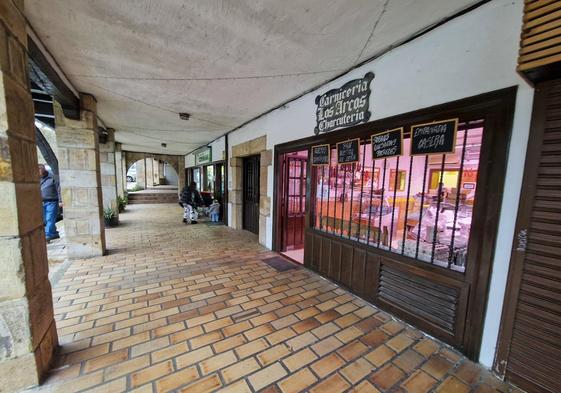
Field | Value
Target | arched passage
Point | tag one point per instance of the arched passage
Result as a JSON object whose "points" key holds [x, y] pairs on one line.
{"points": [[150, 167], [145, 174]]}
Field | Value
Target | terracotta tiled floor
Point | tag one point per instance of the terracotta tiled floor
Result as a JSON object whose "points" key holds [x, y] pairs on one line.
{"points": [[194, 309]]}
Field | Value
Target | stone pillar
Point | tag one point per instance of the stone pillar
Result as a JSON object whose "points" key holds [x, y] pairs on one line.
{"points": [[265, 161], [156, 172], [109, 172], [141, 173], [162, 173], [124, 170], [121, 177], [149, 162], [80, 180], [180, 173], [27, 328]]}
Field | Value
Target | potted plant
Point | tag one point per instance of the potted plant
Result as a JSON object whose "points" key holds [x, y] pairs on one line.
{"points": [[110, 216], [123, 201]]}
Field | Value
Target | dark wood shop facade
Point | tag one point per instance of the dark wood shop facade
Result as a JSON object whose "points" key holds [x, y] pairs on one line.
{"points": [[410, 232]]}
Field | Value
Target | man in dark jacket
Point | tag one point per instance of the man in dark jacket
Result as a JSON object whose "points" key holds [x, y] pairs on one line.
{"points": [[190, 199], [50, 194]]}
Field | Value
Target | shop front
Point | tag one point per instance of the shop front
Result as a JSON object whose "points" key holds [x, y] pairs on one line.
{"points": [[210, 178], [404, 211]]}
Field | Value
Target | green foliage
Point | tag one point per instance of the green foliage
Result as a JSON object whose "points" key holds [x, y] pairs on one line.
{"points": [[109, 213], [137, 188], [123, 201]]}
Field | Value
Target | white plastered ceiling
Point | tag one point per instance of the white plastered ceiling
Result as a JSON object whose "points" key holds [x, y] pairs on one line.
{"points": [[223, 62]]}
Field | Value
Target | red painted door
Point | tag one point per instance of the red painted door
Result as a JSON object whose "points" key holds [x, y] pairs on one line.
{"points": [[293, 205]]}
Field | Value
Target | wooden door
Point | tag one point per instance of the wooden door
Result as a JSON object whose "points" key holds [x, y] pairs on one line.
{"points": [[529, 351], [293, 202], [219, 187], [251, 194]]}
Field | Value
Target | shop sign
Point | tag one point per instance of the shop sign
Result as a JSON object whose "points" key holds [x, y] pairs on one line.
{"points": [[348, 152], [320, 155], [438, 137], [345, 106], [387, 144], [203, 156]]}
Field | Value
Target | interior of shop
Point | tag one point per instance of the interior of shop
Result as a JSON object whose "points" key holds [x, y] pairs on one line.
{"points": [[417, 206]]}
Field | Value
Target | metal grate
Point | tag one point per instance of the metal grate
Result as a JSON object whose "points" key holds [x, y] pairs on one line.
{"points": [[416, 206]]}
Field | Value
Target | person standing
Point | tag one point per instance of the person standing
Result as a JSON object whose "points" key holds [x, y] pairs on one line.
{"points": [[50, 194], [190, 199]]}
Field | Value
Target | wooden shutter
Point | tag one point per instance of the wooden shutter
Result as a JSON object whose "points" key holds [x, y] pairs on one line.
{"points": [[530, 345], [540, 44]]}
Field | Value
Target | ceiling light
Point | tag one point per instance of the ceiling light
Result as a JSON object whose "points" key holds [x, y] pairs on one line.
{"points": [[184, 116]]}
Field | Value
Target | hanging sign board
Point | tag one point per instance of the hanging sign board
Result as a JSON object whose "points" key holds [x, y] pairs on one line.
{"points": [[203, 156], [438, 137], [348, 151], [387, 144], [345, 106], [320, 155]]}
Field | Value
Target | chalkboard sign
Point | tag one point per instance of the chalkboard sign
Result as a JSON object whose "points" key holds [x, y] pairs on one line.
{"points": [[348, 151], [345, 106], [438, 137], [320, 155], [387, 144]]}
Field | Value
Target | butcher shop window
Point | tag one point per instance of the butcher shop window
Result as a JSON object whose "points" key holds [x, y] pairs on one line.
{"points": [[417, 206]]}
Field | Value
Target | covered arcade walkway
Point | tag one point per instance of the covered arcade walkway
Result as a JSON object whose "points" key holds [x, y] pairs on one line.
{"points": [[196, 308]]}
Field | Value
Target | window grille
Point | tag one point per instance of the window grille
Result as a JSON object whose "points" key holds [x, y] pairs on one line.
{"points": [[417, 206]]}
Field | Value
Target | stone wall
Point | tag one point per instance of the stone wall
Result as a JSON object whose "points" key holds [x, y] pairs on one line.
{"points": [[235, 195], [149, 164], [27, 328], [108, 172], [140, 172], [121, 176], [80, 180]]}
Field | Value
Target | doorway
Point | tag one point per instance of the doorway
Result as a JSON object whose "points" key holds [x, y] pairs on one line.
{"points": [[250, 201], [529, 348], [292, 202]]}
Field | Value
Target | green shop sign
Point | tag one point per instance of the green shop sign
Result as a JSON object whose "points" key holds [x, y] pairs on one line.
{"points": [[203, 156]]}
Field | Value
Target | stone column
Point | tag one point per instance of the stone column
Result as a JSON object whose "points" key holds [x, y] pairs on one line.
{"points": [[141, 173], [266, 160], [180, 173], [161, 171], [119, 168], [156, 172], [124, 170], [80, 180], [27, 328], [109, 172], [149, 162]]}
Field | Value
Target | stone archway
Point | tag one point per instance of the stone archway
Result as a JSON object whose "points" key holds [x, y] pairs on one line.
{"points": [[176, 162], [249, 148]]}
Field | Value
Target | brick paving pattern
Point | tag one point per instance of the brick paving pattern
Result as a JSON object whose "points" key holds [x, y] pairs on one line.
{"points": [[177, 308]]}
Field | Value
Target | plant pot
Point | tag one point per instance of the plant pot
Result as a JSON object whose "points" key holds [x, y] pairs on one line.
{"points": [[111, 222]]}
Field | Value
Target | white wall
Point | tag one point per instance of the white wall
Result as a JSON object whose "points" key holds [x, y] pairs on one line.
{"points": [[217, 147], [470, 55], [171, 175]]}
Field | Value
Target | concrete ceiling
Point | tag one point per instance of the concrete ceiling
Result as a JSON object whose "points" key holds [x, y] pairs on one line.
{"points": [[224, 62]]}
